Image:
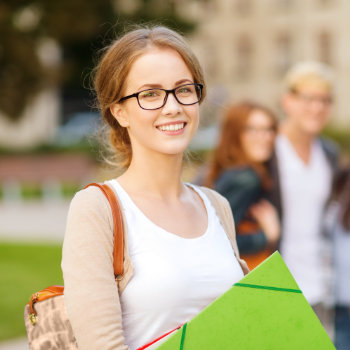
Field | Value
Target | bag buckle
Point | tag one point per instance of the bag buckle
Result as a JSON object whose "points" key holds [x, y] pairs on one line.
{"points": [[33, 319]]}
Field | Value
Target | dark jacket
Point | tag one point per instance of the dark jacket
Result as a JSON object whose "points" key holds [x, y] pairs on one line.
{"points": [[242, 187]]}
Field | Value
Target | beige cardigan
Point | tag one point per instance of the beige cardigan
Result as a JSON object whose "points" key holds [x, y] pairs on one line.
{"points": [[91, 294]]}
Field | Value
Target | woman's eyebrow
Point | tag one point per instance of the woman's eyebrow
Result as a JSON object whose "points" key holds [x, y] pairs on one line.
{"points": [[149, 86], [159, 86], [182, 81]]}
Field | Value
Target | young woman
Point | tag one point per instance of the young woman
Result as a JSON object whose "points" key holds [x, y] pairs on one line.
{"points": [[338, 226], [179, 259], [239, 172]]}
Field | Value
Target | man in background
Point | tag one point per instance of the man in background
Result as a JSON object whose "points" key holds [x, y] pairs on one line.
{"points": [[303, 169]]}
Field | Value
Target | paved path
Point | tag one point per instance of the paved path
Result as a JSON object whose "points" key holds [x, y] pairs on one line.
{"points": [[31, 221], [35, 220], [15, 344]]}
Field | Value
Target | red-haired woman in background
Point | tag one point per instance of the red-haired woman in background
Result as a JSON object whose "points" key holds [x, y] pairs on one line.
{"points": [[239, 172]]}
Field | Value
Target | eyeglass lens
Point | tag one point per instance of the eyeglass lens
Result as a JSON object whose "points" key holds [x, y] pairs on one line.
{"points": [[308, 99], [254, 131], [155, 98]]}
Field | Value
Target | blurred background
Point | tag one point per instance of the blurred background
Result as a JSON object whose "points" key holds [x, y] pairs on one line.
{"points": [[47, 53]]}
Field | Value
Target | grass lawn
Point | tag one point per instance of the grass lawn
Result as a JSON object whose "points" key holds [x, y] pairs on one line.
{"points": [[24, 269]]}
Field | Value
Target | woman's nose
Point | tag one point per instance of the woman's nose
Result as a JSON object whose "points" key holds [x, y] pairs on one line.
{"points": [[171, 105]]}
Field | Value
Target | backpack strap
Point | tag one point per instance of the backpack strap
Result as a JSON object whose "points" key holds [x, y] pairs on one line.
{"points": [[118, 251], [118, 228], [224, 213]]}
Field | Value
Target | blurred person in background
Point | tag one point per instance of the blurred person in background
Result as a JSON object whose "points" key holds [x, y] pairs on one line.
{"points": [[238, 171], [337, 224], [303, 168]]}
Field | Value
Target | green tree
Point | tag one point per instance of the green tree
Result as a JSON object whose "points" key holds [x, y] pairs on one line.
{"points": [[79, 27]]}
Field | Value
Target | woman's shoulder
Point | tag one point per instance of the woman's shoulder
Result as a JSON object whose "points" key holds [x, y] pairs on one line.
{"points": [[90, 200], [89, 195], [209, 192], [218, 201], [89, 217]]}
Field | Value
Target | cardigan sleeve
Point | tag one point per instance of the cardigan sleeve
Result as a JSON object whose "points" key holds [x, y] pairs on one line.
{"points": [[91, 293]]}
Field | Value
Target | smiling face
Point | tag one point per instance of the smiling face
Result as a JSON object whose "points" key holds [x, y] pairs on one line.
{"points": [[167, 130], [308, 109], [257, 139]]}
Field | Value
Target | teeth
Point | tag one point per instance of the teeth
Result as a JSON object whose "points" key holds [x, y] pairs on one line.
{"points": [[172, 127]]}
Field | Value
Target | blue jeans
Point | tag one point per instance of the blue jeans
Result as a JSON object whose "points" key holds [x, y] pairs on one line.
{"points": [[342, 328]]}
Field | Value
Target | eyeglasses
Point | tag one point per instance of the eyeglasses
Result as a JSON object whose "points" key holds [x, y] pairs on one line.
{"points": [[255, 131], [308, 99], [150, 99]]}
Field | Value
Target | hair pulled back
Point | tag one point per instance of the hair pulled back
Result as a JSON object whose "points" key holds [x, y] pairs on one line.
{"points": [[112, 71], [229, 151]]}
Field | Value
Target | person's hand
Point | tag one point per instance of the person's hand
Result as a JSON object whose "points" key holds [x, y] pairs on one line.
{"points": [[266, 216]]}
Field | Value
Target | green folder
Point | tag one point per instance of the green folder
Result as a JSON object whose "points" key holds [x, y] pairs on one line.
{"points": [[264, 310]]}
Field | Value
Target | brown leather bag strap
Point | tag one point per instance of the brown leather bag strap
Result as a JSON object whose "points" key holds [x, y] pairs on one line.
{"points": [[118, 229]]}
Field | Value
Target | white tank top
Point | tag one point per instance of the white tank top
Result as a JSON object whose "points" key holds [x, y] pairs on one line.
{"points": [[175, 278]]}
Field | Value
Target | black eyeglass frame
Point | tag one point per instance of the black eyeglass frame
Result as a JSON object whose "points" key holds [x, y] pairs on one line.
{"points": [[326, 101], [167, 92]]}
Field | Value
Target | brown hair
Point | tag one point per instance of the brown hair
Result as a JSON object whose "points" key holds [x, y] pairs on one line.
{"points": [[341, 193], [113, 69], [229, 152]]}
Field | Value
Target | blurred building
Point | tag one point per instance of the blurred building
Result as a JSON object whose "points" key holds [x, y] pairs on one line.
{"points": [[246, 46]]}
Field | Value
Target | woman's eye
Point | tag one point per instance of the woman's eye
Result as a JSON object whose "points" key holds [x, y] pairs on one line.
{"points": [[149, 94], [184, 90]]}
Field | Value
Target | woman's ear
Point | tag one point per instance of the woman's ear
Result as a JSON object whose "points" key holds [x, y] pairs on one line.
{"points": [[119, 113]]}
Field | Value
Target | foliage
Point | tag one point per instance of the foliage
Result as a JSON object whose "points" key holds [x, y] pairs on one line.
{"points": [[79, 27], [341, 136], [69, 189], [25, 269], [32, 191], [86, 146]]}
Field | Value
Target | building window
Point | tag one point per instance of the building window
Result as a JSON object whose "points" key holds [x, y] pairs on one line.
{"points": [[244, 57], [325, 47], [243, 7], [210, 65], [325, 3], [209, 5], [283, 57], [284, 4]]}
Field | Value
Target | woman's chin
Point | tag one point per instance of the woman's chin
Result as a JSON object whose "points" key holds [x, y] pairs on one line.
{"points": [[261, 158]]}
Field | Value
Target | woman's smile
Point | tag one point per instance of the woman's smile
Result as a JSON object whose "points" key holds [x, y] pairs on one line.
{"points": [[172, 128]]}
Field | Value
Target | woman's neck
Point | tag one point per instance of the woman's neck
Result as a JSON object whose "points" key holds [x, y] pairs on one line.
{"points": [[158, 176]]}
